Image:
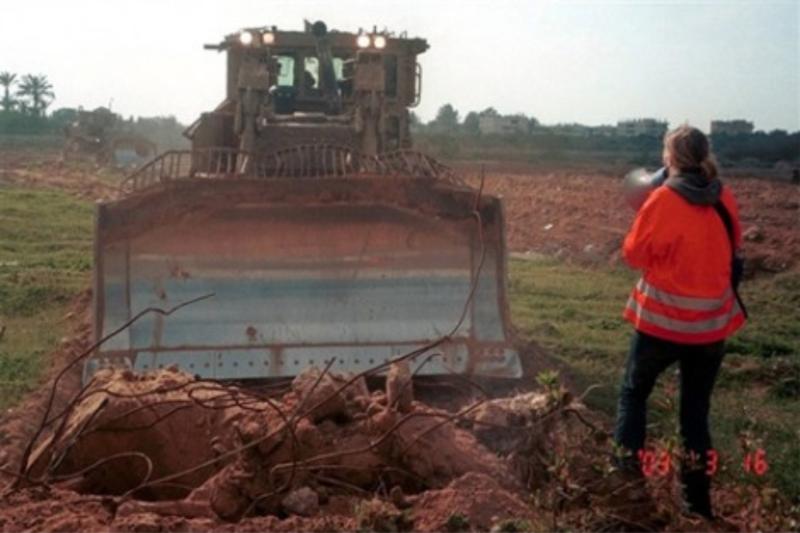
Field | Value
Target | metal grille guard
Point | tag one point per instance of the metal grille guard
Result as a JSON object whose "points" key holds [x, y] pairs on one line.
{"points": [[301, 161]]}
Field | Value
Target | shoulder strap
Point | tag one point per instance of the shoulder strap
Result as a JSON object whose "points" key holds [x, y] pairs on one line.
{"points": [[723, 213], [719, 207]]}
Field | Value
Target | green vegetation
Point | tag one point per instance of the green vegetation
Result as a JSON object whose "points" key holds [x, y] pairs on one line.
{"points": [[575, 312], [513, 525], [456, 523], [24, 109], [45, 243], [24, 102]]}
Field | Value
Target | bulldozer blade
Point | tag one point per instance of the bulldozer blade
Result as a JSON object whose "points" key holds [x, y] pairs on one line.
{"points": [[303, 271]]}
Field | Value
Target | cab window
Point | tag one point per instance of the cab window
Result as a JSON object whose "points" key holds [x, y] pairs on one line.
{"points": [[338, 68], [285, 70], [311, 73], [390, 69]]}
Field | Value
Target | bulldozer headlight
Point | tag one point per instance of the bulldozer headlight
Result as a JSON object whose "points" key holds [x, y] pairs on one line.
{"points": [[363, 41], [379, 41], [268, 38], [246, 38]]}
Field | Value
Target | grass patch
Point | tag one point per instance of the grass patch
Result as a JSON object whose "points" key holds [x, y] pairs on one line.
{"points": [[774, 325], [576, 312], [45, 244]]}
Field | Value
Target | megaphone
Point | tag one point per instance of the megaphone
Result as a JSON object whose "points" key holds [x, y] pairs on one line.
{"points": [[639, 183]]}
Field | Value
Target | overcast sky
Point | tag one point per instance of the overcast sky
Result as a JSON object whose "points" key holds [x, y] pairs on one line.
{"points": [[587, 62]]}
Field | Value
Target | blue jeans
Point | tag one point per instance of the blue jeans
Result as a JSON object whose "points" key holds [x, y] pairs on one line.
{"points": [[647, 359]]}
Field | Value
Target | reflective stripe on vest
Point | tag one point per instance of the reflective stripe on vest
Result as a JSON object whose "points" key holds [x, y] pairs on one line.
{"points": [[683, 302], [683, 326]]}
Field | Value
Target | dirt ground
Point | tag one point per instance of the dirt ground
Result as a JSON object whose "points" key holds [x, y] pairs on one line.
{"points": [[583, 215], [44, 168], [355, 462]]}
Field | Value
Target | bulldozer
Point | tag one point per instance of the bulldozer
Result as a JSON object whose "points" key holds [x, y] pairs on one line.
{"points": [[101, 135], [322, 238]]}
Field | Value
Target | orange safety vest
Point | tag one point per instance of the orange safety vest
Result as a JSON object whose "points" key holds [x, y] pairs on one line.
{"points": [[684, 251]]}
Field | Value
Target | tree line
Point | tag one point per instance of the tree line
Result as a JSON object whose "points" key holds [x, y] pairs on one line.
{"points": [[26, 98], [33, 94]]}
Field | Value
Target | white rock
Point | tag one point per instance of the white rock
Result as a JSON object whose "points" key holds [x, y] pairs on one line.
{"points": [[301, 502]]}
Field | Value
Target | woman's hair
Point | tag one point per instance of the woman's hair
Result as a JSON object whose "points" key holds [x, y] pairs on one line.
{"points": [[688, 150]]}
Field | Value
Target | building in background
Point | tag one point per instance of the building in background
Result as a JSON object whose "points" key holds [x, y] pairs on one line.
{"points": [[491, 124], [731, 127], [644, 127], [603, 131], [571, 130], [574, 130]]}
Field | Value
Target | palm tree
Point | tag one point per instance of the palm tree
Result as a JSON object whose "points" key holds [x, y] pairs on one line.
{"points": [[38, 90], [6, 80]]}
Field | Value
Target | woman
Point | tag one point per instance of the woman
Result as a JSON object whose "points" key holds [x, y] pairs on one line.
{"points": [[684, 305]]}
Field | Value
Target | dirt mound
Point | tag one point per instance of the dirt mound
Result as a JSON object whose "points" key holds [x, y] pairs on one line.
{"points": [[166, 436], [164, 451], [473, 502], [51, 509], [155, 424], [167, 452]]}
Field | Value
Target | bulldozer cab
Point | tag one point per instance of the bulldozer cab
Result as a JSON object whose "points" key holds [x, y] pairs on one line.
{"points": [[288, 87], [322, 238]]}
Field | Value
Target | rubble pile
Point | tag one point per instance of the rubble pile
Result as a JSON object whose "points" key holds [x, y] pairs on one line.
{"points": [[167, 452], [168, 448]]}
